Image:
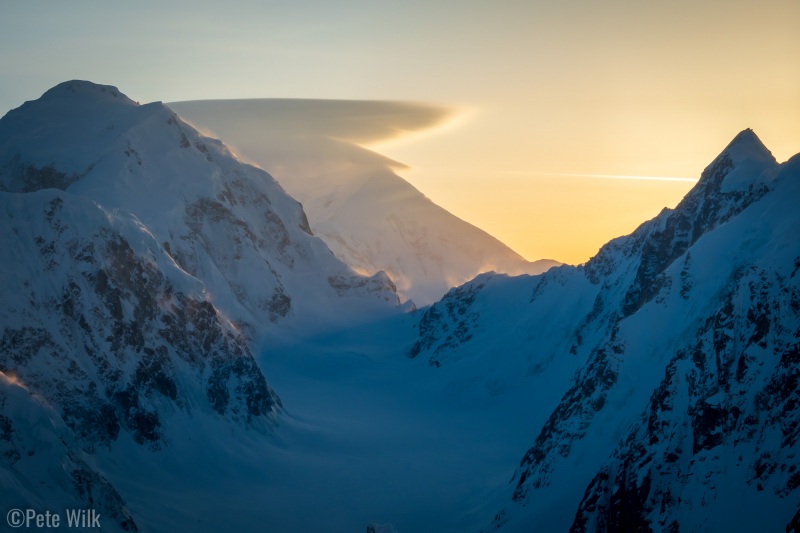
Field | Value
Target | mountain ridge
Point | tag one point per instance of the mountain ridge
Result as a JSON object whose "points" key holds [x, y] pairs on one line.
{"points": [[653, 387], [646, 306]]}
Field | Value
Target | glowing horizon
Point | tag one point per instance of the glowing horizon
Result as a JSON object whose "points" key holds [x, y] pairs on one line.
{"points": [[562, 118], [551, 220]]}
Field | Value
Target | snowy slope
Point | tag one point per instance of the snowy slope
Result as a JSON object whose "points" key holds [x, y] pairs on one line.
{"points": [[683, 339], [226, 223], [369, 216]]}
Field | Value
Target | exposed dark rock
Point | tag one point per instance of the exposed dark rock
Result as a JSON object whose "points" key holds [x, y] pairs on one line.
{"points": [[585, 397], [450, 321]]}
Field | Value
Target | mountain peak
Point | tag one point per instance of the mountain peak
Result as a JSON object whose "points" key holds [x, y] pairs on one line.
{"points": [[745, 135], [87, 89], [747, 145], [743, 164], [740, 175], [92, 141]]}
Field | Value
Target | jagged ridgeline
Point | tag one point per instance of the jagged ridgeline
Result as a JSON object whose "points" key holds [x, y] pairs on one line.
{"points": [[670, 359]]}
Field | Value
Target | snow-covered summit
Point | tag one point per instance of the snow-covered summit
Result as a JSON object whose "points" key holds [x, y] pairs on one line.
{"points": [[227, 223], [754, 164], [741, 172], [746, 144], [660, 241], [86, 89]]}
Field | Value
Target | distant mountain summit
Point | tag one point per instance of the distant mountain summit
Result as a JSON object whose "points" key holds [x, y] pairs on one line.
{"points": [[370, 217]]}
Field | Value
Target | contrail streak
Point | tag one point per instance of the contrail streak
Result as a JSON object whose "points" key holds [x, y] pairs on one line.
{"points": [[624, 177], [560, 174]]}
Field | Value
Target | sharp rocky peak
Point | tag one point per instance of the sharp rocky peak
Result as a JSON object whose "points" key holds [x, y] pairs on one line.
{"points": [[747, 144], [744, 165], [742, 174]]}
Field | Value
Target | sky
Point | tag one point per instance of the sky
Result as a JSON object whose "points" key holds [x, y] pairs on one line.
{"points": [[551, 101]]}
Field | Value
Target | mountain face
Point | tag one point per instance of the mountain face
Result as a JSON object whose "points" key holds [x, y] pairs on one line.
{"points": [[142, 264], [370, 217], [667, 363], [105, 341], [103, 323]]}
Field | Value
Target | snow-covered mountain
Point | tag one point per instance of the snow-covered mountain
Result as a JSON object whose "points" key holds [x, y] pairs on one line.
{"points": [[100, 321], [369, 216], [226, 223], [142, 263], [105, 341], [665, 367], [654, 387]]}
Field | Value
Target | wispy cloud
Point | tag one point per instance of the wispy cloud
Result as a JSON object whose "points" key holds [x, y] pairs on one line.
{"points": [[626, 177], [568, 175]]}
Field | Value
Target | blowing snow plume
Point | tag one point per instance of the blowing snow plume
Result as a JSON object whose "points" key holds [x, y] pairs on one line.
{"points": [[369, 216]]}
